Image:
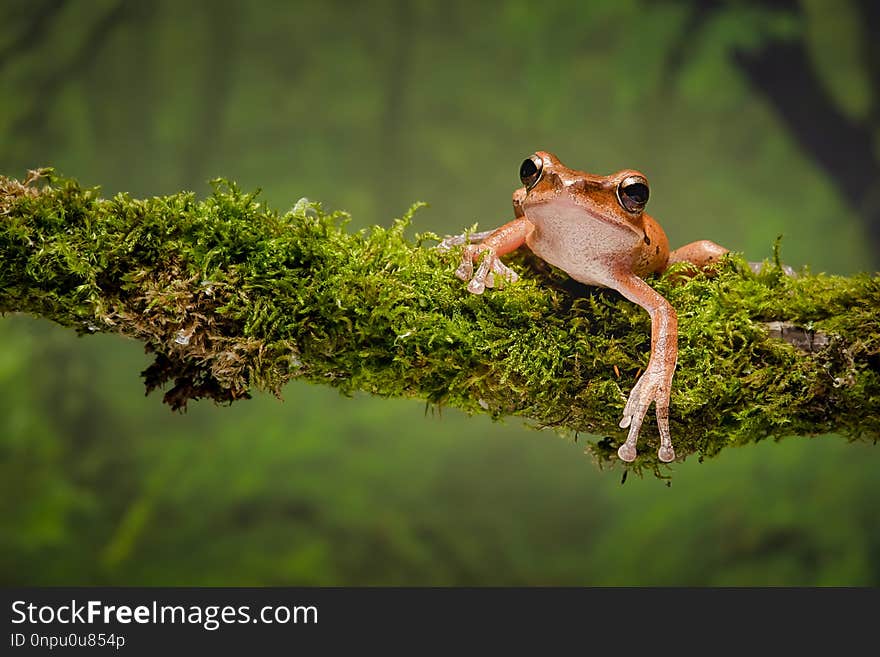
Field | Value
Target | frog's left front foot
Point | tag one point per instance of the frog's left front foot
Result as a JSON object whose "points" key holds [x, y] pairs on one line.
{"points": [[653, 386]]}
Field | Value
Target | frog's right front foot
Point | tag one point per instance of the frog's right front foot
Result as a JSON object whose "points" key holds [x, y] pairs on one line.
{"points": [[488, 274], [490, 266], [488, 252]]}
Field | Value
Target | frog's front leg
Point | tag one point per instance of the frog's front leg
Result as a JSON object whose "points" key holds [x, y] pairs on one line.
{"points": [[497, 243], [655, 385], [451, 241]]}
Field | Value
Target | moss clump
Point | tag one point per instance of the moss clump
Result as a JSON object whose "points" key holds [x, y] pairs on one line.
{"points": [[231, 295]]}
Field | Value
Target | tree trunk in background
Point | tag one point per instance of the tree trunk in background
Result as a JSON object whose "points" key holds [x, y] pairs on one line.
{"points": [[221, 21], [33, 34], [781, 72], [393, 158], [870, 10], [129, 123], [54, 82]]}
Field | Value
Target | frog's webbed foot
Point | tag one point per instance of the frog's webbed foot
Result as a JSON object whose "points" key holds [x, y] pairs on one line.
{"points": [[490, 271], [653, 386], [489, 268], [488, 251]]}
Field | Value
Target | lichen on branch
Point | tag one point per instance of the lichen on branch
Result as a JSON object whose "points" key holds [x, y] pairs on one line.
{"points": [[230, 295]]}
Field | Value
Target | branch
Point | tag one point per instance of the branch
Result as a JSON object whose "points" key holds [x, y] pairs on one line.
{"points": [[221, 20], [229, 295]]}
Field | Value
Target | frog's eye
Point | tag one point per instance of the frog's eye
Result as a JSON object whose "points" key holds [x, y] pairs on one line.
{"points": [[632, 192], [530, 171]]}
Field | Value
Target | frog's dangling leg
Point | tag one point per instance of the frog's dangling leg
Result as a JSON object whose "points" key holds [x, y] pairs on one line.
{"points": [[655, 385]]}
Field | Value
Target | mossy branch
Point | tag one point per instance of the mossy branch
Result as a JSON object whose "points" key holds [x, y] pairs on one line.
{"points": [[230, 295]]}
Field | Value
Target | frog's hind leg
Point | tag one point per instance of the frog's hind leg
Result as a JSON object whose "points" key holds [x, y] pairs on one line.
{"points": [[701, 254], [704, 254]]}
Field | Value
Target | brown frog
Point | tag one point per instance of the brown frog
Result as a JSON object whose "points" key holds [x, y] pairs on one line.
{"points": [[596, 230]]}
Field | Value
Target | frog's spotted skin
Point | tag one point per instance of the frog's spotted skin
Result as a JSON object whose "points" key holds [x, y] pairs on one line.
{"points": [[595, 229]]}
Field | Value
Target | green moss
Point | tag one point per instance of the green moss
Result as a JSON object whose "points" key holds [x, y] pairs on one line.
{"points": [[231, 295]]}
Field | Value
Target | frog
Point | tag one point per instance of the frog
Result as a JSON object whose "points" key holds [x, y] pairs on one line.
{"points": [[595, 229]]}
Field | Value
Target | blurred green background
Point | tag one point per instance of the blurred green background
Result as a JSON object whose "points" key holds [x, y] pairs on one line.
{"points": [[750, 119]]}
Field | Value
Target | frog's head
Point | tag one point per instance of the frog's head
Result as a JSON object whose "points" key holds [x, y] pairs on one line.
{"points": [[551, 188]]}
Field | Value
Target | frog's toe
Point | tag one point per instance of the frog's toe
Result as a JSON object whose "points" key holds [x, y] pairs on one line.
{"points": [[757, 267], [665, 453], [504, 272], [465, 270], [476, 286], [451, 241], [447, 244], [627, 453], [634, 400]]}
